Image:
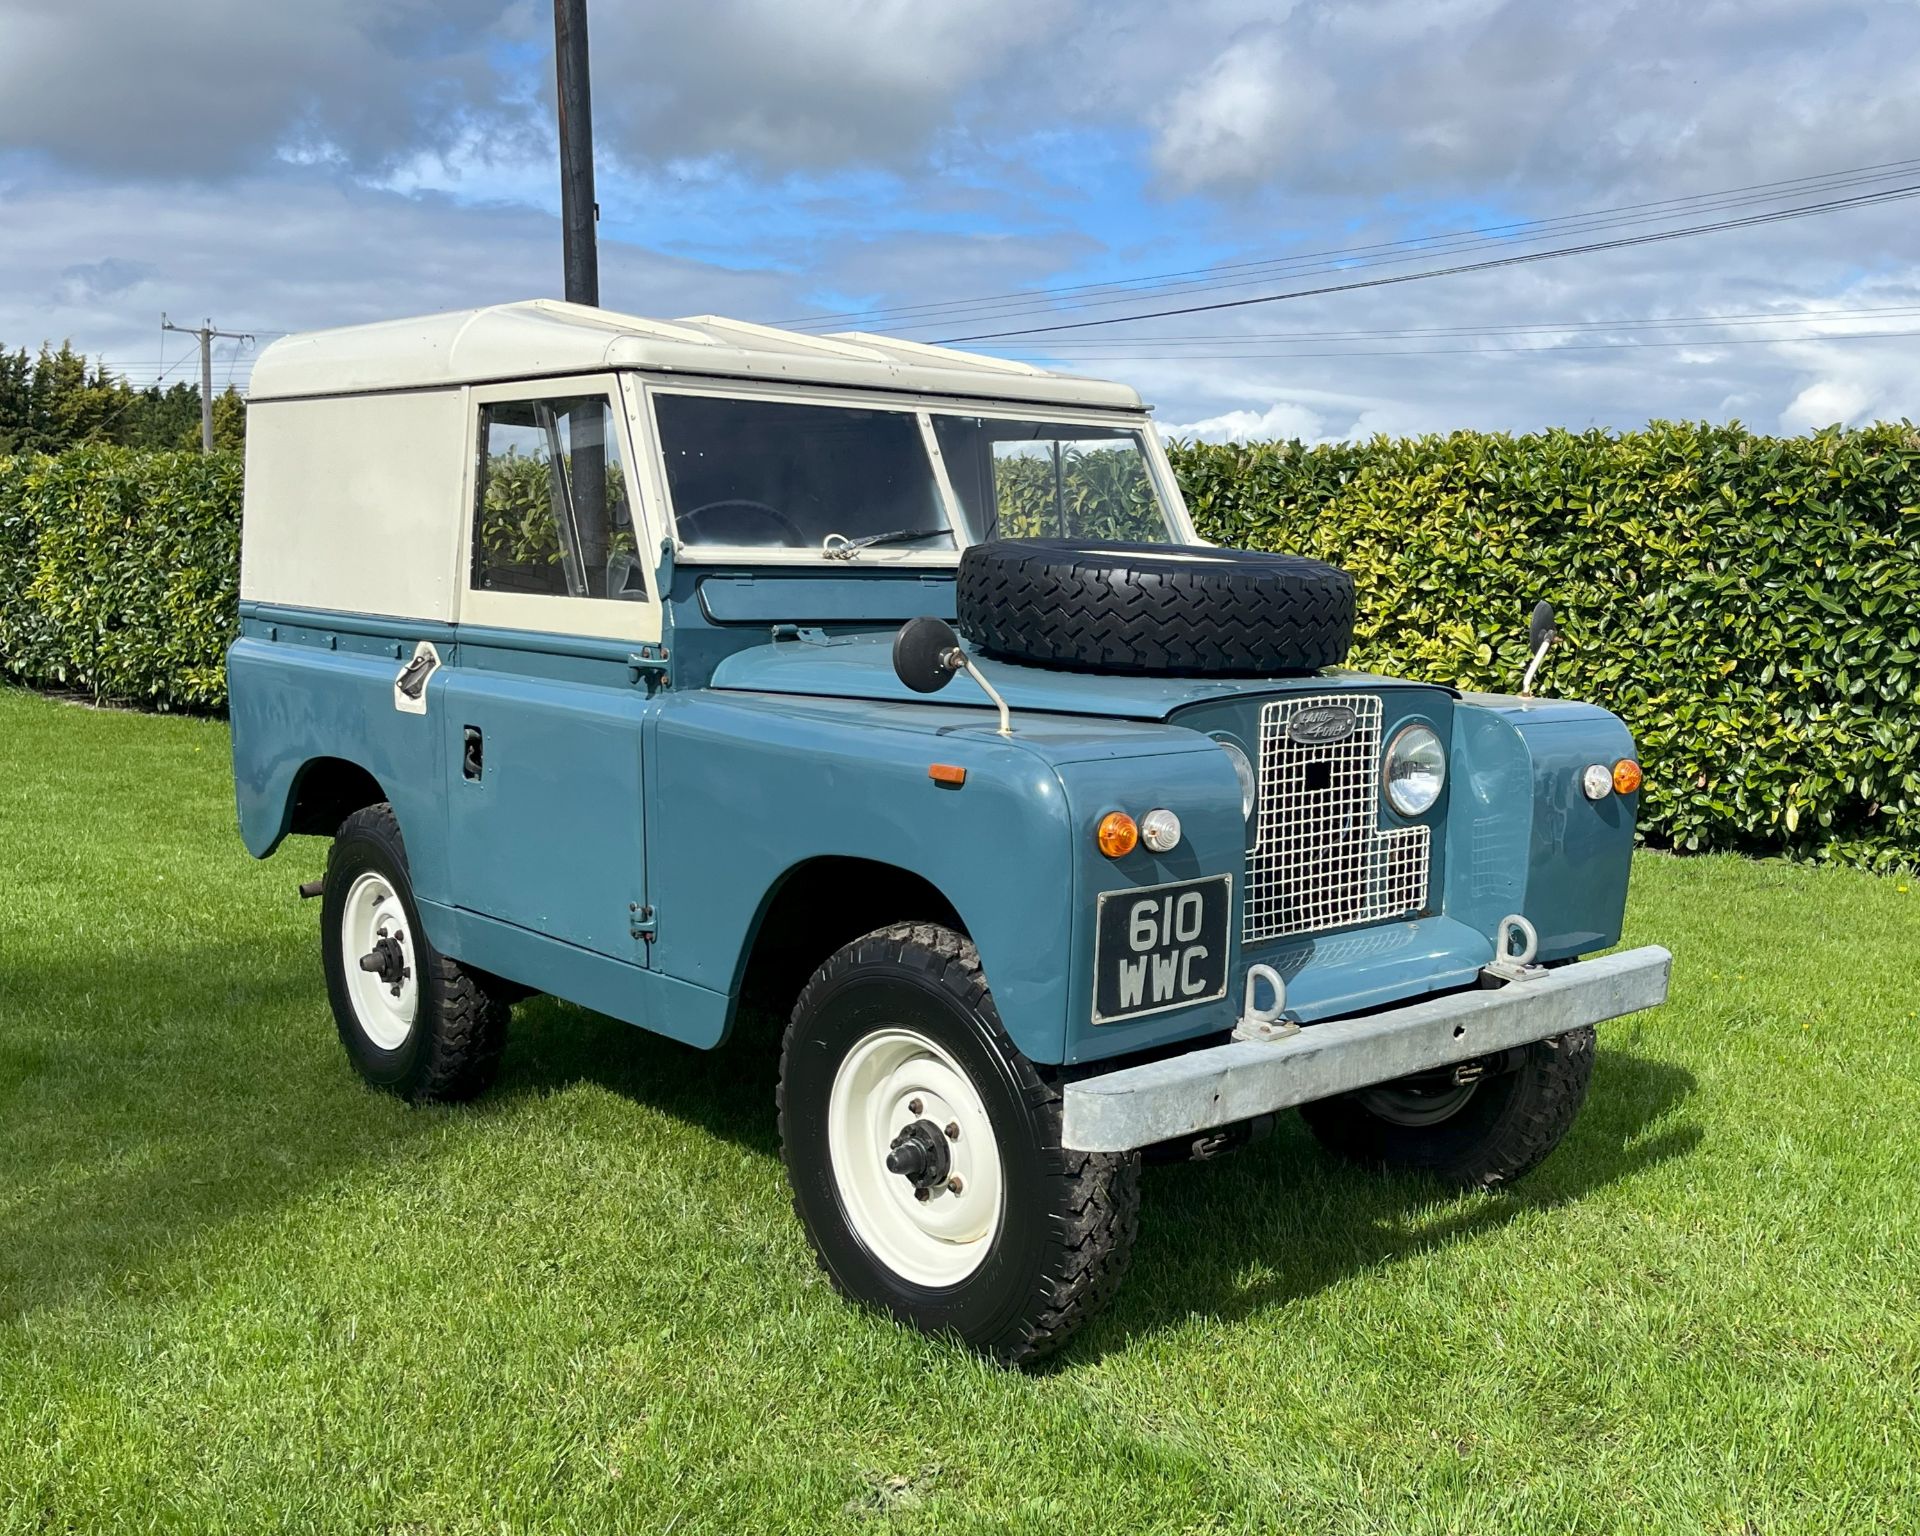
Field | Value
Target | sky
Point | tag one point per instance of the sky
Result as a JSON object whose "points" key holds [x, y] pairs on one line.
{"points": [[944, 168]]}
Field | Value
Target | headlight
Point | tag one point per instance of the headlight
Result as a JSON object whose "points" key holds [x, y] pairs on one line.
{"points": [[1416, 771], [1243, 771]]}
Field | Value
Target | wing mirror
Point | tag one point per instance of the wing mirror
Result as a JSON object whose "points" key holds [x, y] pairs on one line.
{"points": [[927, 654], [1541, 633]]}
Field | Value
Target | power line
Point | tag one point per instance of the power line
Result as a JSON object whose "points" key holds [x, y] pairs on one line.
{"points": [[1344, 257], [1400, 333], [136, 393], [1888, 195], [1596, 346], [1347, 256]]}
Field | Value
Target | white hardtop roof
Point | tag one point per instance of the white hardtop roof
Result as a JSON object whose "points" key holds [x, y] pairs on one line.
{"points": [[544, 337]]}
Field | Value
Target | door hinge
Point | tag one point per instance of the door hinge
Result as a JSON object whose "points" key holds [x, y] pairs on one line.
{"points": [[640, 921]]}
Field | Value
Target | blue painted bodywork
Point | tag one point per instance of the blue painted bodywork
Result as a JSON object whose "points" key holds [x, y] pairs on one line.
{"points": [[641, 808]]}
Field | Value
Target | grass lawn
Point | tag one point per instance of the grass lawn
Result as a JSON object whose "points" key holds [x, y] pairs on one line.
{"points": [[239, 1292]]}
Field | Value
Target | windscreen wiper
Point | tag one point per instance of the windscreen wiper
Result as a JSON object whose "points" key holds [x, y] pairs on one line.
{"points": [[837, 546]]}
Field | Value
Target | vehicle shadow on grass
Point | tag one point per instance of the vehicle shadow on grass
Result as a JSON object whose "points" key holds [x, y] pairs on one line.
{"points": [[1260, 1228], [726, 1092], [1284, 1220], [184, 1104]]}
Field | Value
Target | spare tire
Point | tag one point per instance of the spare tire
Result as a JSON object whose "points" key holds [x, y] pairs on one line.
{"points": [[1152, 608]]}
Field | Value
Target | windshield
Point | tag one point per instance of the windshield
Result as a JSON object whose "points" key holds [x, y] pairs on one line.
{"points": [[1051, 480], [765, 474], [855, 482]]}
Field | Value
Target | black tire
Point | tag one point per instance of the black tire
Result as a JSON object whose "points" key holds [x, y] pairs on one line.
{"points": [[452, 1048], [1502, 1129], [1068, 1219], [1142, 608]]}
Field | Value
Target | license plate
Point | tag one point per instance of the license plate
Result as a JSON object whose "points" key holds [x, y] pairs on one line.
{"points": [[1160, 947]]}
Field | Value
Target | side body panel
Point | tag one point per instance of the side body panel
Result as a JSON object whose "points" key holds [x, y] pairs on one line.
{"points": [[354, 505]]}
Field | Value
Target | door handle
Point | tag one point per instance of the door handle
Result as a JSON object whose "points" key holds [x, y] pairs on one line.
{"points": [[472, 753], [412, 681]]}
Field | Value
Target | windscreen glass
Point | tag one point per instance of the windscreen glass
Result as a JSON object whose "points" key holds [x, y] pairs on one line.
{"points": [[1051, 480], [763, 474]]}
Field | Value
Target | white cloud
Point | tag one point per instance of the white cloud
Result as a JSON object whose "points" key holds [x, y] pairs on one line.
{"points": [[306, 252], [1282, 419], [784, 86], [1825, 402], [214, 87], [1245, 118]]}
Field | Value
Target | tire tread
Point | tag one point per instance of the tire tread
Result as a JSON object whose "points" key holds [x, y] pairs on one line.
{"points": [[1095, 1216], [1500, 1143], [466, 1025]]}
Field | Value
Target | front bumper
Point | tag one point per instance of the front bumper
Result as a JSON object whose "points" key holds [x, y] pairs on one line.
{"points": [[1196, 1091]]}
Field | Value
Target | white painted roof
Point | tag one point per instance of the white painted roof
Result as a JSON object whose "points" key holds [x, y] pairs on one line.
{"points": [[545, 337]]}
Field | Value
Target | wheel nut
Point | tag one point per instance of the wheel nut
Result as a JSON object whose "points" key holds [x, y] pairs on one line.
{"points": [[954, 1186], [923, 1195], [914, 1106], [953, 1130]]}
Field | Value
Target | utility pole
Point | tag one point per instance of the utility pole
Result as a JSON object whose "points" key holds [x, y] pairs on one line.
{"points": [[578, 210], [587, 424], [206, 332]]}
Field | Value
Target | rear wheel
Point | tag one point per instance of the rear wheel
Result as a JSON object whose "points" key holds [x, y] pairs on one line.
{"points": [[1478, 1134], [924, 1153], [413, 1022]]}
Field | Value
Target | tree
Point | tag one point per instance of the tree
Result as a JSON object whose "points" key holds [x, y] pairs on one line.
{"points": [[58, 399]]}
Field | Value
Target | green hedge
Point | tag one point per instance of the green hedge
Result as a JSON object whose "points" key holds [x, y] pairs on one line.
{"points": [[1750, 605], [119, 573]]}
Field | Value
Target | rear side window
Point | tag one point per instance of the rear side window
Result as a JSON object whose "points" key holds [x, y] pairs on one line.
{"points": [[763, 474], [553, 514]]}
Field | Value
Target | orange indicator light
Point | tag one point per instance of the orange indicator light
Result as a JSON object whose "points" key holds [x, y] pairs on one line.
{"points": [[947, 773], [1118, 834], [1627, 776]]}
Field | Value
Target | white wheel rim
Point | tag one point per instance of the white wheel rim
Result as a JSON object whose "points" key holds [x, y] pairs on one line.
{"points": [[935, 1242], [372, 916]]}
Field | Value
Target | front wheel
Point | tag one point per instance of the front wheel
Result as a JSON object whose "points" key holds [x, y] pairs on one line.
{"points": [[925, 1159], [1478, 1134]]}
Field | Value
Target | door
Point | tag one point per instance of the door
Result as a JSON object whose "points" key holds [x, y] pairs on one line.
{"points": [[541, 712]]}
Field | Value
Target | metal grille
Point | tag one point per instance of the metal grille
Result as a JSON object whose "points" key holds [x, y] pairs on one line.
{"points": [[1320, 860]]}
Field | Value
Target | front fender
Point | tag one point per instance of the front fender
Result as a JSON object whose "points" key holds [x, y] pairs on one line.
{"points": [[1521, 835], [745, 787]]}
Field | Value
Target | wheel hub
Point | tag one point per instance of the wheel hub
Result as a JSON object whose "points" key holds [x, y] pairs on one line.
{"points": [[388, 960], [919, 1155]]}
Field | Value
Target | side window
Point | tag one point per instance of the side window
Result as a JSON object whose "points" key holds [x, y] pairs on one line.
{"points": [[553, 515]]}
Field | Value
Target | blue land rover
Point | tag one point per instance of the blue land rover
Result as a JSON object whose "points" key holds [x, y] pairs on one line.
{"points": [[633, 661]]}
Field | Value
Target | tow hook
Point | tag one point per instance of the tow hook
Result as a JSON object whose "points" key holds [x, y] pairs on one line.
{"points": [[1511, 963]]}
